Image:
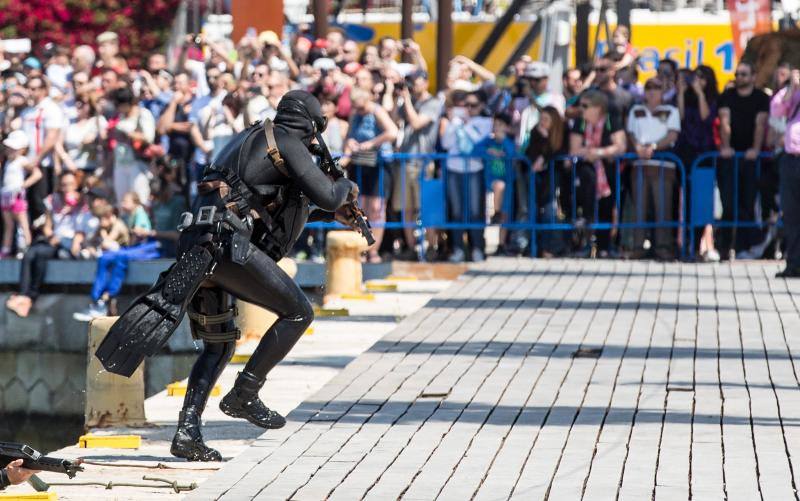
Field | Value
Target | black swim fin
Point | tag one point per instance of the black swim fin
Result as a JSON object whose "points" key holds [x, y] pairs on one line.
{"points": [[152, 318]]}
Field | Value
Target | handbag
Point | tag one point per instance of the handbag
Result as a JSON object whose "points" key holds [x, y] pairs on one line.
{"points": [[368, 158]]}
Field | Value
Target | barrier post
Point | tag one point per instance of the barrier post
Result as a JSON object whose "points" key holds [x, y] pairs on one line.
{"points": [[111, 400]]}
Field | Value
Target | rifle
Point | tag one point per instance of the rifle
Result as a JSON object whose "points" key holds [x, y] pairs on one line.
{"points": [[331, 167], [35, 460]]}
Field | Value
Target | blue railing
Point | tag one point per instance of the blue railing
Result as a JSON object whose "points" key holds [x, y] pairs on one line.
{"points": [[433, 194], [704, 171]]}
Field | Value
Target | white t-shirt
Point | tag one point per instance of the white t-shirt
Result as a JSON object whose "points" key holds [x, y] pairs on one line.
{"points": [[14, 175], [36, 121], [76, 133]]}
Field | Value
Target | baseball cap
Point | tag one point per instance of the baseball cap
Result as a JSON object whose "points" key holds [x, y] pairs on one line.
{"points": [[32, 62], [107, 36], [537, 69], [16, 140]]}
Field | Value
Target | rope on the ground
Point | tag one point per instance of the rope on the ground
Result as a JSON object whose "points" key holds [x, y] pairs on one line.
{"points": [[159, 466], [166, 484]]}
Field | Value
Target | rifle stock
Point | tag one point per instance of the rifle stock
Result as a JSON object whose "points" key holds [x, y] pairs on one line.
{"points": [[35, 460]]}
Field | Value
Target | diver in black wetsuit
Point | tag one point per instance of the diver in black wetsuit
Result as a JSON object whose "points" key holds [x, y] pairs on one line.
{"points": [[247, 268]]}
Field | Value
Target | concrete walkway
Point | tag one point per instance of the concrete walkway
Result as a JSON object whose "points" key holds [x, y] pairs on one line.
{"points": [[559, 380]]}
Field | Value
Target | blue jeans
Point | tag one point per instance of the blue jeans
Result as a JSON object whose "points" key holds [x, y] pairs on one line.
{"points": [[466, 204], [112, 267]]}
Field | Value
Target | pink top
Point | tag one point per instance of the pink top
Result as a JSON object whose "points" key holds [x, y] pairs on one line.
{"points": [[781, 109]]}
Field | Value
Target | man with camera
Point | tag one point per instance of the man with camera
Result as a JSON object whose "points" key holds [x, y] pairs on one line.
{"points": [[14, 474], [420, 112]]}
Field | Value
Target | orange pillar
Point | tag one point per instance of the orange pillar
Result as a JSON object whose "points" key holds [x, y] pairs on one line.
{"points": [[259, 14]]}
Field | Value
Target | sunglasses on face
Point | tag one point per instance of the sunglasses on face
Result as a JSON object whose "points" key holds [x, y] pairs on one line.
{"points": [[602, 69], [742, 74], [474, 105], [652, 87]]}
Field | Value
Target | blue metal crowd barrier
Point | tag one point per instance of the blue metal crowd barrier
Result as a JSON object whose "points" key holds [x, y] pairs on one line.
{"points": [[704, 173], [433, 192]]}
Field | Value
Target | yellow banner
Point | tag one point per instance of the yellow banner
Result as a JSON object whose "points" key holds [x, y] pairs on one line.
{"points": [[690, 45]]}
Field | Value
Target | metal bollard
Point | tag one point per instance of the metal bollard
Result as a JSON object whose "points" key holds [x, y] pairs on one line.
{"points": [[343, 257]]}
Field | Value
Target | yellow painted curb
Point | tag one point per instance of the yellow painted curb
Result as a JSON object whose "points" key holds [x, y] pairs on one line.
{"points": [[48, 496], [110, 442], [401, 278], [331, 312], [380, 286], [309, 331], [178, 389], [240, 358], [359, 297]]}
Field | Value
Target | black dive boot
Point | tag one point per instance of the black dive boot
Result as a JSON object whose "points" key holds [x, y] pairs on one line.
{"points": [[243, 402], [188, 442]]}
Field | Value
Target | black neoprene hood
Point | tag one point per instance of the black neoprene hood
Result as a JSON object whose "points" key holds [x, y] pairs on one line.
{"points": [[301, 114]]}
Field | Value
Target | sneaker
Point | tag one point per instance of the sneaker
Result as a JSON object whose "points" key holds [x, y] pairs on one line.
{"points": [[457, 256], [477, 256], [712, 256], [94, 310]]}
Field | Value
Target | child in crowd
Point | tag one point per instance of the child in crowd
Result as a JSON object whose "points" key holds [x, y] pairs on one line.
{"points": [[18, 175], [111, 235], [621, 45], [498, 151], [112, 264], [134, 213]]}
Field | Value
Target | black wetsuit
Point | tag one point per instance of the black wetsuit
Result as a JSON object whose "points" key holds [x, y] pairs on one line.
{"points": [[258, 280]]}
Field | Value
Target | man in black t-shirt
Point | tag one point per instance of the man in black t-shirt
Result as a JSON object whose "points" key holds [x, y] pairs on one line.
{"points": [[743, 112]]}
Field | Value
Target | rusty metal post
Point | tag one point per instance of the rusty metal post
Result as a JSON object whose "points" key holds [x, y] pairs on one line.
{"points": [[320, 18], [407, 26], [407, 23], [444, 42]]}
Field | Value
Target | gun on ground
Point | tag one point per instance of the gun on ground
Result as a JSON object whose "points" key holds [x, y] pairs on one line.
{"points": [[35, 460], [332, 168]]}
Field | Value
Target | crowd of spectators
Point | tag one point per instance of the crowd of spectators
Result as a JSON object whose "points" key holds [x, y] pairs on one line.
{"points": [[100, 157]]}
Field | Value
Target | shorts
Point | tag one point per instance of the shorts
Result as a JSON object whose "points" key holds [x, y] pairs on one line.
{"points": [[407, 185], [14, 202], [369, 179]]}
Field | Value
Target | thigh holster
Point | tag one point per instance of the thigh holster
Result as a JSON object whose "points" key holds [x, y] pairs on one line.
{"points": [[208, 323]]}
